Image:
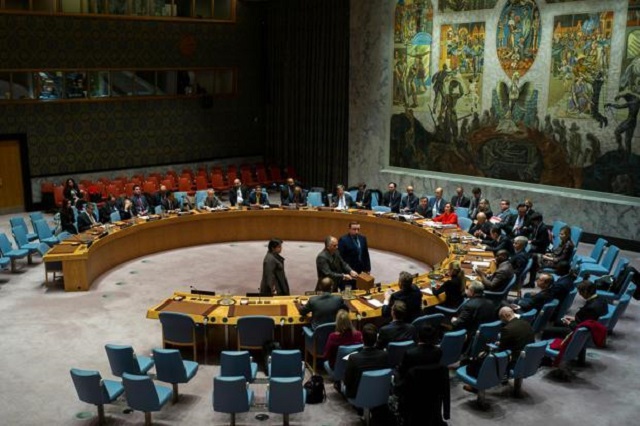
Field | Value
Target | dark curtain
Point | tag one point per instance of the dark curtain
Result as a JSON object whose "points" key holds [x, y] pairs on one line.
{"points": [[307, 43]]}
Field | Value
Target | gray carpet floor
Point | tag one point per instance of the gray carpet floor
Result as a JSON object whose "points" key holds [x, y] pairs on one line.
{"points": [[46, 331]]}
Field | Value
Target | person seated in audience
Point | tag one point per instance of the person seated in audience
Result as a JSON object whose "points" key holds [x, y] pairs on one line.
{"points": [[539, 235], [423, 207], [501, 277], [299, 197], [392, 198], [67, 217], [436, 204], [72, 192], [160, 198], [369, 358], [517, 224], [460, 200], [140, 203], [475, 202], [481, 228], [409, 293], [86, 218], [520, 256], [238, 194], [323, 308], [454, 288], [398, 330], [529, 205], [498, 241], [211, 202], [478, 310], [345, 334], [342, 199], [258, 197], [564, 283], [286, 193], [484, 207], [127, 211], [448, 217], [409, 202], [505, 212], [564, 251], [536, 300], [363, 197], [110, 206], [515, 334]]}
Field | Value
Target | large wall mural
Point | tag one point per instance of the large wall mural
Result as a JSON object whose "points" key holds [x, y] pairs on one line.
{"points": [[465, 5], [583, 136]]}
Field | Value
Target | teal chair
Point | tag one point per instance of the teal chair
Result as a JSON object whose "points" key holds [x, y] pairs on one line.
{"points": [[238, 363], [170, 368], [464, 223], [314, 199], [45, 235], [527, 364], [529, 316], [286, 396], [19, 221], [92, 389], [231, 395], [286, 363], [491, 373], [337, 372], [20, 237], [486, 333], [546, 313], [619, 310], [122, 360], [396, 350], [602, 268], [315, 341], [594, 256], [144, 395], [14, 254], [434, 320], [451, 346], [574, 347], [373, 391]]}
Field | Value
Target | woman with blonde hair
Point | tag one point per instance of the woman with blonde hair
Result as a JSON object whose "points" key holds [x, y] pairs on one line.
{"points": [[345, 334], [453, 288]]}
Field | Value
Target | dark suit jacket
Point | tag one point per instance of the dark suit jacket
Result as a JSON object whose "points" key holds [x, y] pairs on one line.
{"points": [[140, 204], [453, 292], [105, 212], [592, 309], [332, 266], [364, 197], [273, 275], [561, 287], [409, 203], [476, 311], [413, 300], [392, 200], [350, 254], [539, 239], [519, 262], [323, 308], [365, 360], [395, 331], [233, 195], [514, 336], [485, 228], [502, 243], [84, 222], [348, 200], [422, 211], [500, 278], [264, 198], [537, 301], [464, 201], [422, 354], [432, 202], [212, 202], [286, 195], [508, 224]]}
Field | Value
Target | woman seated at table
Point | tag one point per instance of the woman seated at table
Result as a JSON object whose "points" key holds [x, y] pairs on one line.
{"points": [[67, 218], [448, 217], [564, 251], [345, 334], [454, 289]]}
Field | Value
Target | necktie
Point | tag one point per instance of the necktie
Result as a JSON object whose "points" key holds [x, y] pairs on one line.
{"points": [[257, 198], [357, 243]]}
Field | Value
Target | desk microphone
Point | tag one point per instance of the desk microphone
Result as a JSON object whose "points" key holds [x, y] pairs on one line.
{"points": [[195, 291], [282, 322], [358, 317]]}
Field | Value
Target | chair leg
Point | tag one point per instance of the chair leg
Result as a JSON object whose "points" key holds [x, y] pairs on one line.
{"points": [[30, 259], [482, 400], [285, 419], [147, 418], [367, 416], [101, 419], [517, 387], [13, 264], [233, 419], [174, 399]]}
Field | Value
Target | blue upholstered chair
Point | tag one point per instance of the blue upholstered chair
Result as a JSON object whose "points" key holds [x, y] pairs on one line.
{"points": [[611, 296], [44, 233], [20, 237], [545, 315], [286, 363], [435, 320], [340, 366], [144, 395], [575, 345], [170, 368], [314, 199], [462, 212], [576, 234], [4, 261], [231, 395], [604, 267], [238, 363], [178, 330], [451, 312], [122, 360], [492, 371], [451, 346], [566, 304], [486, 333], [157, 209], [8, 251], [396, 350], [315, 341], [115, 217], [285, 395], [594, 256], [373, 391], [375, 199], [93, 390], [39, 216], [619, 310], [497, 296], [200, 197], [529, 316], [527, 364], [381, 209], [19, 221], [254, 330], [605, 319], [464, 223]]}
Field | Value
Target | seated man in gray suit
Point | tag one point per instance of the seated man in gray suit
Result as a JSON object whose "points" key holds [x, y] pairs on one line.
{"points": [[323, 308], [501, 277], [330, 264]]}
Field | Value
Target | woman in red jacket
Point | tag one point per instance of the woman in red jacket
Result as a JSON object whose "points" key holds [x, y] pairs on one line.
{"points": [[448, 217]]}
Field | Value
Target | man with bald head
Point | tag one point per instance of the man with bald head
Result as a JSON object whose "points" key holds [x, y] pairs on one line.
{"points": [[286, 194], [501, 277], [530, 301], [211, 202], [409, 202], [330, 264], [238, 194], [516, 333], [481, 228], [436, 204]]}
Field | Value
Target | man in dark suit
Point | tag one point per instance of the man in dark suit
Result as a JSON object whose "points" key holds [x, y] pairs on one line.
{"points": [[475, 202], [258, 198], [459, 200], [238, 194], [564, 284], [341, 199], [481, 228], [539, 235], [476, 311], [498, 241], [363, 197], [140, 203], [110, 206], [409, 293], [392, 198], [425, 353], [517, 224], [330, 264], [286, 193], [520, 257], [86, 219], [516, 333], [409, 202], [369, 358], [436, 204], [536, 301], [398, 330], [501, 277], [323, 308], [423, 207], [354, 249]]}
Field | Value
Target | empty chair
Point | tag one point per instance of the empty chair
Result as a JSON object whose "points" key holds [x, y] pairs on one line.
{"points": [[144, 395], [201, 195], [156, 210], [464, 223], [170, 368], [527, 364], [44, 233], [373, 391], [92, 389], [314, 199], [491, 373], [8, 251], [619, 310], [238, 363], [115, 217], [19, 221], [122, 360], [611, 296], [434, 320], [286, 363], [594, 256], [529, 316], [231, 395], [381, 209], [500, 295], [254, 331], [544, 316], [606, 318], [39, 216], [564, 307], [285, 396], [337, 373], [602, 268], [315, 341], [178, 330], [4, 261], [462, 212], [375, 198], [451, 347], [486, 333], [396, 351], [576, 234], [20, 237]]}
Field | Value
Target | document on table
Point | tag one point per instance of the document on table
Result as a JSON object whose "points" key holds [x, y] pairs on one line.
{"points": [[375, 302]]}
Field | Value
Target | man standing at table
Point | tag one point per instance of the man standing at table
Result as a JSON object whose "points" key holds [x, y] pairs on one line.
{"points": [[354, 249], [330, 264]]}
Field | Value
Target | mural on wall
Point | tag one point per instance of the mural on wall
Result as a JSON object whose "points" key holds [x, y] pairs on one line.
{"points": [[518, 37], [579, 65], [560, 1], [465, 5]]}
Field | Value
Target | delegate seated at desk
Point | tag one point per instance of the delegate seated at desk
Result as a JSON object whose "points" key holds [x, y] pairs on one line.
{"points": [[330, 264], [323, 308], [258, 198], [238, 194], [212, 201], [86, 219]]}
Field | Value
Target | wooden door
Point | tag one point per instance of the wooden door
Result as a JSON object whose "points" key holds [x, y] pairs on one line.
{"points": [[11, 188]]}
